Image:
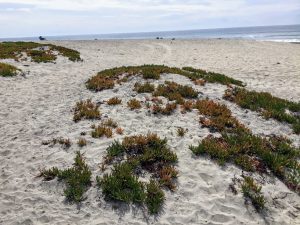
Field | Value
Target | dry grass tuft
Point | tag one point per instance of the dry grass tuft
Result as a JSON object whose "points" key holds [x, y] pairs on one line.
{"points": [[219, 116], [181, 131], [175, 92], [99, 83], [114, 101], [110, 123], [86, 110], [200, 82], [101, 131], [65, 142], [187, 106], [134, 104], [144, 88], [167, 110], [252, 191], [82, 142], [119, 130]]}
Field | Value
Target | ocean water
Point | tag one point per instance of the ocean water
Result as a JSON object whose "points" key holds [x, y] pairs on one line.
{"points": [[286, 33]]}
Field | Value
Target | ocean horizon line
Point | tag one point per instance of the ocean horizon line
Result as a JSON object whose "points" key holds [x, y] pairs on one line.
{"points": [[280, 33]]}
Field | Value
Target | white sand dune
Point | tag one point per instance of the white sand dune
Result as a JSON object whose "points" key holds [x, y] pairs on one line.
{"points": [[39, 106]]}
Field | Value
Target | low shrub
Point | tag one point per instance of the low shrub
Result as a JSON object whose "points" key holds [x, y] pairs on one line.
{"points": [[119, 130], [175, 92], [99, 83], [144, 88], [81, 142], [252, 191], [7, 70], [187, 106], [137, 153], [77, 178], [40, 56], [38, 52], [268, 105], [101, 131], [122, 185], [134, 104], [114, 101], [167, 110], [86, 110], [110, 123], [65, 142], [154, 197], [181, 131]]}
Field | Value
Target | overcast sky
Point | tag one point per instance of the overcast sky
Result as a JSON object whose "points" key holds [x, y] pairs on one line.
{"points": [[20, 18]]}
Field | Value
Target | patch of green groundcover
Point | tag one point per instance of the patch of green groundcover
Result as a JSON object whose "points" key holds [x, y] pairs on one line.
{"points": [[268, 105], [7, 70], [248, 151], [153, 72], [39, 52], [76, 178], [135, 154]]}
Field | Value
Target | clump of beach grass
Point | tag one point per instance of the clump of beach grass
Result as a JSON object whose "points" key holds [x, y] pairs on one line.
{"points": [[122, 185], [268, 105], [38, 52], [181, 131], [252, 192], [105, 79], [212, 77], [119, 130], [110, 123], [114, 101], [7, 70], [175, 92], [144, 88], [82, 142], [99, 83], [40, 56], [218, 116], [141, 152], [187, 106], [154, 197], [134, 104], [77, 178], [167, 110], [101, 130], [248, 151], [86, 110], [65, 142]]}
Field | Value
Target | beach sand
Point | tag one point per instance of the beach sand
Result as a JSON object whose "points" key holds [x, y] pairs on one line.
{"points": [[38, 107]]}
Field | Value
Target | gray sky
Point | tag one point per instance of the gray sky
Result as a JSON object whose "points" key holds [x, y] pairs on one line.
{"points": [[20, 18]]}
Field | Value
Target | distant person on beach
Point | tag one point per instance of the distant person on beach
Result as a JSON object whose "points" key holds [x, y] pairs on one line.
{"points": [[42, 38]]}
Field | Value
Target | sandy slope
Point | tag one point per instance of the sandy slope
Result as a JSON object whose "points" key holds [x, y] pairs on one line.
{"points": [[38, 107]]}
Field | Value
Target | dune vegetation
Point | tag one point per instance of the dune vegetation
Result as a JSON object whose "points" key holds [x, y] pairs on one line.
{"points": [[37, 51]]}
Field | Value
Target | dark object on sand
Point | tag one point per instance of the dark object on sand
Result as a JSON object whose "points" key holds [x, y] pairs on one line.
{"points": [[42, 38], [173, 39], [157, 38]]}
